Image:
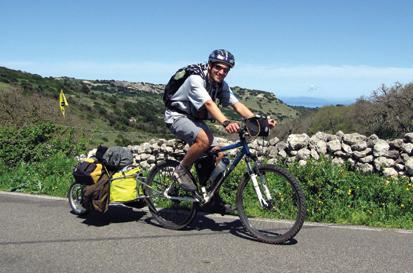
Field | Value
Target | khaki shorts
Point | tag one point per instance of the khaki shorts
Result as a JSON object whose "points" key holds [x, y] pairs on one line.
{"points": [[188, 129]]}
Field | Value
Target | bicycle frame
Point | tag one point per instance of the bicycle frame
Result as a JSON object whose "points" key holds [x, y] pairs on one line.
{"points": [[243, 152]]}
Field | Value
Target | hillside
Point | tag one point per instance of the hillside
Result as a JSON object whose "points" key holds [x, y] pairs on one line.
{"points": [[108, 111]]}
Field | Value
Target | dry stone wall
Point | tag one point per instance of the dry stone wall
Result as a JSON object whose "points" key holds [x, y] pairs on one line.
{"points": [[363, 153]]}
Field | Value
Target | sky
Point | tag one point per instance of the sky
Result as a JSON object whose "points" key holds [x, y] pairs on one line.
{"points": [[338, 50]]}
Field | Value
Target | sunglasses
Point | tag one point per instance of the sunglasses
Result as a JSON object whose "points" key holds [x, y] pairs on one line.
{"points": [[220, 67]]}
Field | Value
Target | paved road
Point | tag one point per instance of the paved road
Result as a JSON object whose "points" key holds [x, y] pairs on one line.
{"points": [[41, 235]]}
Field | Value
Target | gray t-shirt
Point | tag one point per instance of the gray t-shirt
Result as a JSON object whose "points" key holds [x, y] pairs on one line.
{"points": [[192, 95]]}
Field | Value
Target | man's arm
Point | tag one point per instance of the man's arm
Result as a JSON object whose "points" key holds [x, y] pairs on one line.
{"points": [[215, 112], [230, 127]]}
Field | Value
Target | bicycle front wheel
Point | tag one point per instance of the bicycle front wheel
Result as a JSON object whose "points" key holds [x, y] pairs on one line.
{"points": [[280, 216], [176, 211]]}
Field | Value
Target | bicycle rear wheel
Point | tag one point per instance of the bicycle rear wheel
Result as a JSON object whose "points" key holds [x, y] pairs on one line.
{"points": [[75, 199], [282, 217], [169, 212]]}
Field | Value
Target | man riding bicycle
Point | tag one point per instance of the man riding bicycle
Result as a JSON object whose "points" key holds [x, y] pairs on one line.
{"points": [[195, 101]]}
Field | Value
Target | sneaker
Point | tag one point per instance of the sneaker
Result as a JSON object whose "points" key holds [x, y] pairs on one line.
{"points": [[182, 175]]}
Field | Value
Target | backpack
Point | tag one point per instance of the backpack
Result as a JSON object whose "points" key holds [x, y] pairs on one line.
{"points": [[179, 78], [88, 171]]}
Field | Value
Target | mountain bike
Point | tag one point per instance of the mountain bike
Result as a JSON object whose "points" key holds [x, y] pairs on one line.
{"points": [[269, 201]]}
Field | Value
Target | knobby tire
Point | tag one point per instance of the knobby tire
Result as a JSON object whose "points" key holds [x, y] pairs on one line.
{"points": [[169, 213], [280, 222]]}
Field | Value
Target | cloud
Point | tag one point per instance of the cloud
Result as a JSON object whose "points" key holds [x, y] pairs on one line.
{"points": [[324, 71], [343, 81]]}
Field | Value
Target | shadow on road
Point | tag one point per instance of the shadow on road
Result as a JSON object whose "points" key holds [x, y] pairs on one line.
{"points": [[115, 214], [122, 214], [233, 226]]}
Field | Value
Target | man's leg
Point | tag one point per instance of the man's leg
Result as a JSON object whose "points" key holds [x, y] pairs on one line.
{"points": [[199, 137], [202, 143]]}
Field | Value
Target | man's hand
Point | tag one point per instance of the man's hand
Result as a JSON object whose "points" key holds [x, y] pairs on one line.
{"points": [[272, 123], [231, 128]]}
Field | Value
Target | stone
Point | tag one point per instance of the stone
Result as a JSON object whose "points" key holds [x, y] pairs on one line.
{"points": [[320, 136], [364, 167], [314, 154], [320, 146], [352, 139], [298, 141], [351, 162], [146, 147], [407, 148], [346, 148], [338, 161], [371, 140], [282, 153], [272, 151], [340, 135], [367, 159], [390, 172], [409, 166], [169, 150], [396, 143], [341, 154], [409, 137], [171, 142], [144, 157], [360, 154], [281, 145], [380, 148], [302, 162], [274, 141], [359, 146], [399, 167], [144, 165], [404, 157], [151, 159], [161, 141], [382, 162], [303, 154], [334, 146], [393, 154]]}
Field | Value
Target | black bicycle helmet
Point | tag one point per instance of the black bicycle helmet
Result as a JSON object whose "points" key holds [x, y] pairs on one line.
{"points": [[222, 56]]}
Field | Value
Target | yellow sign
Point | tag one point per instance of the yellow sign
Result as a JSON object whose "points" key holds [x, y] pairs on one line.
{"points": [[62, 102]]}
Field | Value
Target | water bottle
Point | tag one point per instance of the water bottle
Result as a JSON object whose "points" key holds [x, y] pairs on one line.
{"points": [[219, 169]]}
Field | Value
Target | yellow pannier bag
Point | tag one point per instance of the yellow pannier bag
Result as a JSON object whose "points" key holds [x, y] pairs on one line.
{"points": [[123, 185]]}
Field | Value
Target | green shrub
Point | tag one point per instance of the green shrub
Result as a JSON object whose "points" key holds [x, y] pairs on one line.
{"points": [[51, 176], [335, 194], [338, 195], [37, 142]]}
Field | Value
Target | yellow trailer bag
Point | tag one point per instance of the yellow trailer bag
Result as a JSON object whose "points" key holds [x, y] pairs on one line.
{"points": [[123, 185]]}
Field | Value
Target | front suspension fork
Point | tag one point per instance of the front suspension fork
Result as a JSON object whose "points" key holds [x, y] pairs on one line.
{"points": [[264, 202]]}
